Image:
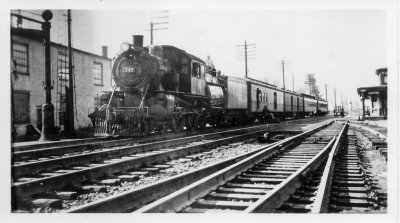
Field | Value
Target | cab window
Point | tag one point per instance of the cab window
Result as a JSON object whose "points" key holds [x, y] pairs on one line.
{"points": [[198, 70], [195, 69], [202, 71]]}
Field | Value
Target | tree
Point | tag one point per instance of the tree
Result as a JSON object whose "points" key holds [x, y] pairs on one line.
{"points": [[311, 84]]}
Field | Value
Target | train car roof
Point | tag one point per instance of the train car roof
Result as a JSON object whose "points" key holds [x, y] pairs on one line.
{"points": [[184, 52], [308, 96], [258, 81], [255, 81], [313, 97]]}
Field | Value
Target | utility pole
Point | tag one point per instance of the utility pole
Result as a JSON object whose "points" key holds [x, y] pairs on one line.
{"points": [[284, 97], [326, 93], [152, 24], [326, 96], [70, 91], [246, 55], [309, 81], [293, 82], [335, 100], [341, 99], [283, 73]]}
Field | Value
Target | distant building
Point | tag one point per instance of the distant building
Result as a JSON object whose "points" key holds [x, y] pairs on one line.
{"points": [[374, 98], [92, 75]]}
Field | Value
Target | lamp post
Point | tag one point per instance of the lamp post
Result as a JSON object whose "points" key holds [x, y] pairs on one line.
{"points": [[48, 107]]}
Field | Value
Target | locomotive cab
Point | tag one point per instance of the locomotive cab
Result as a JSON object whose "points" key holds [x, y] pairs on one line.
{"points": [[197, 79]]}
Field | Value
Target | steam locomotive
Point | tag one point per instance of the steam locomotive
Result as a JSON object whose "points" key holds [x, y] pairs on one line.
{"points": [[164, 87]]}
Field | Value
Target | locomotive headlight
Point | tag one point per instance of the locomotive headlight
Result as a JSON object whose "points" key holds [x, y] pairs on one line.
{"points": [[124, 46]]}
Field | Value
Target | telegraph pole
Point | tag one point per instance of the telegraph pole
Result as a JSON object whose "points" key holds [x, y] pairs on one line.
{"points": [[293, 82], [152, 24], [341, 98], [247, 57], [326, 96], [326, 92], [283, 73], [335, 100], [70, 92]]}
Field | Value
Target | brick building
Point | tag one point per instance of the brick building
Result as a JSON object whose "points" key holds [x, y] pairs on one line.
{"points": [[374, 98], [92, 75]]}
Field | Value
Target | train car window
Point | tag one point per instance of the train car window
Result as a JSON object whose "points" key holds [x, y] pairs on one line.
{"points": [[259, 98], [275, 101], [291, 102], [298, 105]]}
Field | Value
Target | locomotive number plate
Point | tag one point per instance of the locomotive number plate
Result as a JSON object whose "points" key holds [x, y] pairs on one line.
{"points": [[128, 69]]}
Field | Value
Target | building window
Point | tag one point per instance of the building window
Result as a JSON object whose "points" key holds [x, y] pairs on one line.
{"points": [[98, 74], [20, 58], [275, 101], [21, 107]]}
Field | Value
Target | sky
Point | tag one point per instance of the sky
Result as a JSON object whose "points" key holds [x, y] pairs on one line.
{"points": [[343, 48]]}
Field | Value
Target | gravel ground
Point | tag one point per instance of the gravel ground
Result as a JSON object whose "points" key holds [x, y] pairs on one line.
{"points": [[216, 155], [378, 170], [379, 126]]}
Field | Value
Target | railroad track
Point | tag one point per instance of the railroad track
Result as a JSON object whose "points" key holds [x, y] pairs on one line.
{"points": [[257, 183], [343, 184], [62, 177]]}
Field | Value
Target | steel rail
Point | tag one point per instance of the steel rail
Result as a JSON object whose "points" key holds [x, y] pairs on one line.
{"points": [[322, 198], [177, 200]]}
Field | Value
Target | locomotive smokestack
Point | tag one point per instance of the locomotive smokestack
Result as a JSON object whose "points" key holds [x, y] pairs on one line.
{"points": [[104, 50], [138, 40]]}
